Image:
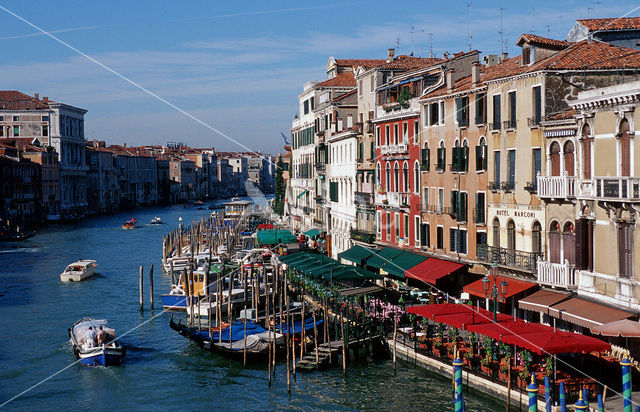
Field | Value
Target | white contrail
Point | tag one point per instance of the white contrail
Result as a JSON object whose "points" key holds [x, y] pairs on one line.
{"points": [[39, 33]]}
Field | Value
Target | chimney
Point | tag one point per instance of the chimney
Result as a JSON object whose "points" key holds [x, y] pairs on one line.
{"points": [[390, 54], [446, 55], [449, 76], [124, 145], [36, 96], [505, 56], [45, 99], [475, 73]]}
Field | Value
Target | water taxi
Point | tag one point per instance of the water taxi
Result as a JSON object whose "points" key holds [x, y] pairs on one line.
{"points": [[130, 224], [236, 208], [84, 336], [156, 221], [79, 270]]}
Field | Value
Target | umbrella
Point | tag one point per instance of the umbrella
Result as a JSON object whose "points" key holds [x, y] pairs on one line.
{"points": [[625, 328]]}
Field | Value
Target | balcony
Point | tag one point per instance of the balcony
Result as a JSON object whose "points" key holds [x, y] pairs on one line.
{"points": [[556, 187], [508, 186], [531, 187], [320, 200], [393, 199], [511, 258], [431, 208], [612, 189], [394, 148], [557, 274], [320, 167], [509, 124], [493, 186], [363, 236], [363, 199], [534, 121], [495, 126]]}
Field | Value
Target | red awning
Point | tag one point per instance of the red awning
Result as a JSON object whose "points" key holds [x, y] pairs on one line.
{"points": [[464, 320], [265, 226], [431, 270], [500, 329], [558, 342], [515, 286], [428, 311]]}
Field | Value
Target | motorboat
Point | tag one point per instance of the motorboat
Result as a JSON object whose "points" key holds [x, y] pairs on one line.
{"points": [[79, 270], [90, 352], [201, 309], [130, 224], [156, 221]]}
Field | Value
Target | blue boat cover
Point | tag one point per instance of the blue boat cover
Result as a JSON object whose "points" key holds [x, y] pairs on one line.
{"points": [[308, 324], [237, 332]]}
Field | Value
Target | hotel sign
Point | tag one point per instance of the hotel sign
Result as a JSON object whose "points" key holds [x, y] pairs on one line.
{"points": [[515, 213]]}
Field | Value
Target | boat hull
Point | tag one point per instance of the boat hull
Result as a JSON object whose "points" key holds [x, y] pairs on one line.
{"points": [[102, 357], [176, 302], [78, 276]]}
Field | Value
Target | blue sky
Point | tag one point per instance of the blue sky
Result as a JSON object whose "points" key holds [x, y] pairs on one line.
{"points": [[237, 66]]}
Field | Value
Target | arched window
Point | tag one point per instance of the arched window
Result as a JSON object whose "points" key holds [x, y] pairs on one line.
{"points": [[378, 177], [511, 235], [568, 158], [554, 242], [554, 151], [625, 148], [569, 243], [586, 152], [496, 232], [536, 238], [405, 177], [396, 177], [416, 177], [388, 178]]}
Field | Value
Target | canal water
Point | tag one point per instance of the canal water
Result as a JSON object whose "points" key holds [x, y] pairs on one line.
{"points": [[163, 370]]}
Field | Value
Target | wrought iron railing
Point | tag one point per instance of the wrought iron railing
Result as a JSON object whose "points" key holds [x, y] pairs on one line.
{"points": [[507, 257]]}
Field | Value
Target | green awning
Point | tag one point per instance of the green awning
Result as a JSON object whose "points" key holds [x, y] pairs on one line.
{"points": [[404, 261], [351, 273], [302, 194], [273, 237], [291, 258], [312, 232], [356, 254], [382, 257], [320, 270]]}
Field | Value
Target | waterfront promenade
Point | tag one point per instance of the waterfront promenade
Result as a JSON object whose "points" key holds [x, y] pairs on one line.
{"points": [[162, 369]]}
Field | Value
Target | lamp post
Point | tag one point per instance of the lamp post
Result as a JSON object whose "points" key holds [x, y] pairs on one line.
{"points": [[495, 291]]}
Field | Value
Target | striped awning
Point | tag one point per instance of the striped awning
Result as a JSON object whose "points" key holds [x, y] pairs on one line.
{"points": [[560, 133]]}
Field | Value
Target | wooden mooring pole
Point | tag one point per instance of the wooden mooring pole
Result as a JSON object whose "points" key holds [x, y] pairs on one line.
{"points": [[151, 286], [140, 288]]}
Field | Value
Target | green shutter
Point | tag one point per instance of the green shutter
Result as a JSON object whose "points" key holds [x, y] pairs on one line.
{"points": [[478, 157], [452, 240], [428, 159], [465, 158]]}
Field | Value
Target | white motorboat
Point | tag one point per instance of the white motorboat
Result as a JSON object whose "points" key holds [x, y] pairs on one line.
{"points": [[156, 221], [202, 307], [91, 352], [79, 270]]}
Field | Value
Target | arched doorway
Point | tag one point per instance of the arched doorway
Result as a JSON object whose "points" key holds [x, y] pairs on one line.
{"points": [[586, 152], [554, 151], [569, 158], [625, 148], [569, 243], [555, 242], [536, 238], [496, 232]]}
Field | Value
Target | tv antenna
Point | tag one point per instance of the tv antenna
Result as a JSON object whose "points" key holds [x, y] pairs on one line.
{"points": [[501, 32], [533, 17], [469, 36], [430, 44], [588, 10], [414, 30], [548, 30]]}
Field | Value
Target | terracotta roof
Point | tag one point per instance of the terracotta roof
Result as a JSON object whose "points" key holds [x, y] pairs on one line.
{"points": [[544, 41], [622, 23], [345, 95], [15, 100], [565, 114], [410, 62], [462, 84], [341, 80], [366, 63]]}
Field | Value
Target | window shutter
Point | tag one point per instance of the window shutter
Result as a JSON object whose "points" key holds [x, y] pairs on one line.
{"points": [[478, 157], [462, 208], [465, 159], [459, 241], [428, 159], [580, 254], [454, 201], [452, 240], [484, 157]]}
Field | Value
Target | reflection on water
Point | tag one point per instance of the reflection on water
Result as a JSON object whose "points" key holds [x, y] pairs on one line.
{"points": [[162, 370]]}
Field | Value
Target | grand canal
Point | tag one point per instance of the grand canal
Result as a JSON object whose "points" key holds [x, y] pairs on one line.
{"points": [[162, 370]]}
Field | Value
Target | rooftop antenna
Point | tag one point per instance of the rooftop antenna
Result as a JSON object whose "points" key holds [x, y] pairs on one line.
{"points": [[596, 13], [469, 26], [501, 33], [533, 17], [414, 30], [398, 44], [548, 30], [589, 9], [430, 44]]}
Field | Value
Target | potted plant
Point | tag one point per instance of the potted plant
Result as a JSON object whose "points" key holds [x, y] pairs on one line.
{"points": [[468, 358]]}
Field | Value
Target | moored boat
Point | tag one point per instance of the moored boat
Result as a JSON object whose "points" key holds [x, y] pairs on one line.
{"points": [[84, 336], [79, 270], [130, 224]]}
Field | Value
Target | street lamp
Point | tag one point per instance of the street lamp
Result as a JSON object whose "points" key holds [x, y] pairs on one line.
{"points": [[496, 291]]}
